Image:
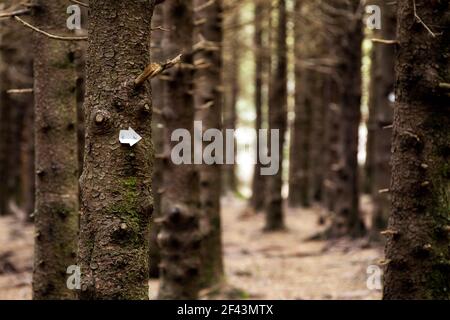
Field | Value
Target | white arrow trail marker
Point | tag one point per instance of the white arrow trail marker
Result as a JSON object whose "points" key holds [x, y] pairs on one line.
{"points": [[129, 137]]}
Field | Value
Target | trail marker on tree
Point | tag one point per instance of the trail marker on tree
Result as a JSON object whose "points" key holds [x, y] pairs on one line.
{"points": [[129, 137]]}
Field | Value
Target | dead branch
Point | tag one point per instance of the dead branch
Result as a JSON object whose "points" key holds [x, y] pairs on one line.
{"points": [[14, 13], [49, 35], [19, 91], [80, 3], [154, 69]]}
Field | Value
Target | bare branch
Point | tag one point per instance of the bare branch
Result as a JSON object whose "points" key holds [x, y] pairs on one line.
{"points": [[14, 13], [421, 21], [160, 28], [384, 41], [206, 106], [19, 91], [204, 6], [80, 3], [444, 85], [51, 36], [154, 69]]}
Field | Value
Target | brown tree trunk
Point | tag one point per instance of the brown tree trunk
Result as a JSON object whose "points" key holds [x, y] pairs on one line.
{"points": [[15, 73], [347, 41], [332, 126], [300, 148], [262, 12], [232, 59], [417, 251], [56, 213], [383, 80], [27, 171], [278, 121], [317, 137], [368, 169], [180, 234], [158, 140], [116, 181], [208, 102]]}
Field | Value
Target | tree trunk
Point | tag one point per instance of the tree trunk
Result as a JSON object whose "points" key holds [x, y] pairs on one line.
{"points": [[278, 121], [300, 149], [332, 126], [258, 184], [27, 171], [232, 59], [368, 184], [56, 213], [208, 102], [317, 137], [15, 72], [417, 252], [158, 141], [383, 89], [116, 181], [180, 235], [346, 49]]}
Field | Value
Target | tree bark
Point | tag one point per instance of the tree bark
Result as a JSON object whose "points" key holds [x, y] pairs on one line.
{"points": [[208, 90], [56, 213], [300, 148], [15, 109], [232, 59], [347, 50], [27, 171], [180, 234], [158, 140], [417, 251], [317, 136], [116, 181], [278, 121], [383, 80], [262, 12]]}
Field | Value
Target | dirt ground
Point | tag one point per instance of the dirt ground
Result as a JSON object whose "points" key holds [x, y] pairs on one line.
{"points": [[258, 265]]}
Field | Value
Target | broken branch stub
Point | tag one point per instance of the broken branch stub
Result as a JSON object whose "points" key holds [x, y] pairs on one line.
{"points": [[154, 69]]}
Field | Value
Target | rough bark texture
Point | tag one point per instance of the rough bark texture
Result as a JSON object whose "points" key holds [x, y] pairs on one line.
{"points": [[80, 63], [180, 234], [116, 181], [278, 120], [383, 78], [300, 148], [346, 20], [208, 90], [417, 252], [158, 140], [56, 213]]}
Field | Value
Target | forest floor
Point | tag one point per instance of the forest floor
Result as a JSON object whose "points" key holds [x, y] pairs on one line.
{"points": [[282, 265]]}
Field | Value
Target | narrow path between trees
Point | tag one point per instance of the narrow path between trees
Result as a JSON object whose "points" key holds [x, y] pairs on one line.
{"points": [[258, 265]]}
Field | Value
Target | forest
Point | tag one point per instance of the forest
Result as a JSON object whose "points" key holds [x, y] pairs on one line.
{"points": [[225, 150]]}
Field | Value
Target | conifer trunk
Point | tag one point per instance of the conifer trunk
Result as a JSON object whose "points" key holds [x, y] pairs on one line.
{"points": [[278, 121], [116, 184], [417, 251], [208, 102], [158, 140], [383, 109], [347, 51], [261, 52], [56, 212], [180, 235]]}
